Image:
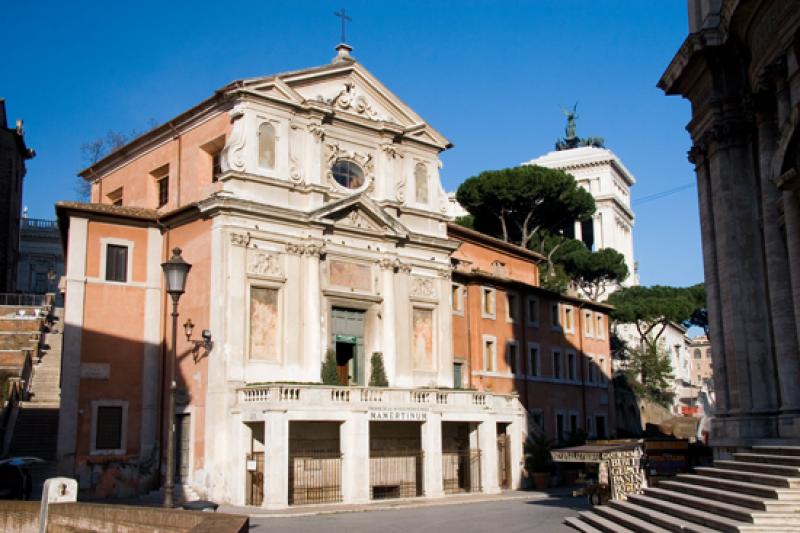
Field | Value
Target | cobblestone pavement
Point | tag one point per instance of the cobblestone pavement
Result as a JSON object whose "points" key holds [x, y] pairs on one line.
{"points": [[509, 516]]}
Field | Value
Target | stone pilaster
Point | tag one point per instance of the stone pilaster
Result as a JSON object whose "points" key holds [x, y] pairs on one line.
{"points": [[487, 441], [355, 458], [432, 460], [312, 334], [389, 338], [276, 460]]}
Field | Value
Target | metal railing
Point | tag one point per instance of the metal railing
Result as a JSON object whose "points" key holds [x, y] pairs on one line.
{"points": [[461, 471], [38, 223], [395, 473], [24, 300], [315, 476]]}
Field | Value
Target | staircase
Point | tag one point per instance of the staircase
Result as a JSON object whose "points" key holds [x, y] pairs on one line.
{"points": [[757, 491], [36, 429]]}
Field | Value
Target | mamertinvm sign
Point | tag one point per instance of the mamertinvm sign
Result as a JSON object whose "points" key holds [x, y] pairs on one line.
{"points": [[398, 414]]}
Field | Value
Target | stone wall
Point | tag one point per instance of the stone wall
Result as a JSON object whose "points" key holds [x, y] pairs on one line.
{"points": [[23, 517]]}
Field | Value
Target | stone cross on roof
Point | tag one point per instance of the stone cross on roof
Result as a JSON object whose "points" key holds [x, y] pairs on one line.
{"points": [[344, 18]]}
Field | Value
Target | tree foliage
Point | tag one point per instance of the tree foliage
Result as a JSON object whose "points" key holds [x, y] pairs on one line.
{"points": [[651, 309], [648, 373], [699, 316], [515, 204], [593, 272], [330, 374], [377, 376]]}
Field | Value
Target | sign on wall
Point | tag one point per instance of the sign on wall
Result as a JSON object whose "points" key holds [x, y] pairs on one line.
{"points": [[388, 414]]}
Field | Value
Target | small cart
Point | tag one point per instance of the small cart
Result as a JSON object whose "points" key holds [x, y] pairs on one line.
{"points": [[619, 465]]}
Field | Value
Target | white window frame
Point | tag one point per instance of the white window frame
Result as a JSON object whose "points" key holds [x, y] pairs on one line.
{"points": [[516, 369], [599, 332], [557, 353], [588, 325], [123, 437], [509, 297], [492, 292], [104, 242], [457, 289], [590, 369], [571, 309], [493, 340], [538, 369], [535, 301]]}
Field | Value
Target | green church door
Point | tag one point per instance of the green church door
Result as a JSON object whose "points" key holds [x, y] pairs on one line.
{"points": [[348, 343]]}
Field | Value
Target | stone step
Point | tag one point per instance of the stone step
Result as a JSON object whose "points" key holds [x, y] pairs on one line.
{"points": [[733, 485], [704, 518], [601, 523], [579, 525], [755, 503], [749, 477], [664, 520], [630, 521], [742, 514], [761, 468], [777, 450]]}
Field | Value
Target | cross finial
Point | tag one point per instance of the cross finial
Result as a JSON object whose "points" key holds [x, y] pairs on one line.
{"points": [[344, 18]]}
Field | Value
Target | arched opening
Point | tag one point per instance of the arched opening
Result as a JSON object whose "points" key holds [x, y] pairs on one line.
{"points": [[266, 145], [421, 183]]}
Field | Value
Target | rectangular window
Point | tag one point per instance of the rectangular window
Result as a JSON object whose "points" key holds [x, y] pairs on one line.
{"points": [[556, 364], [533, 360], [589, 431], [511, 307], [216, 166], [458, 375], [590, 369], [535, 421], [600, 330], [116, 262], [568, 319], [588, 326], [600, 426], [108, 428], [511, 357], [560, 427], [457, 298], [489, 353], [555, 321], [573, 423], [163, 191], [571, 366], [487, 302], [115, 197], [533, 311], [602, 371]]}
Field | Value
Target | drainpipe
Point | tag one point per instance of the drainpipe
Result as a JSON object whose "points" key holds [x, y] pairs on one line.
{"points": [[583, 358], [177, 138]]}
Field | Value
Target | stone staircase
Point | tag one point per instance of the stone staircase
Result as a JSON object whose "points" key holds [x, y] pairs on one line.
{"points": [[36, 428], [757, 491]]}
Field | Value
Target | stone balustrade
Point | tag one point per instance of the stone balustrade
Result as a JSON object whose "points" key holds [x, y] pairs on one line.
{"points": [[316, 395]]}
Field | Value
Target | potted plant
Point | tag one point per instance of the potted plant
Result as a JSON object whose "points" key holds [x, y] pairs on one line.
{"points": [[537, 460]]}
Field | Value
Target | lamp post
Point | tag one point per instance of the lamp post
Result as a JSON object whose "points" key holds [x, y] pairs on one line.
{"points": [[176, 270]]}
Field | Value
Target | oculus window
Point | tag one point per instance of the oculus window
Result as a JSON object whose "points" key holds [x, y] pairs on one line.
{"points": [[347, 174]]}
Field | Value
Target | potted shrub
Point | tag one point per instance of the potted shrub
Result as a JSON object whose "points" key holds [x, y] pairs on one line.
{"points": [[537, 460]]}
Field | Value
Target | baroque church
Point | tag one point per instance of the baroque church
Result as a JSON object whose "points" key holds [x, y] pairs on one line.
{"points": [[310, 207]]}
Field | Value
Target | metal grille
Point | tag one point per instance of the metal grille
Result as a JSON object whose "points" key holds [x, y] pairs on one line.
{"points": [[395, 474], [255, 478], [315, 476], [461, 471]]}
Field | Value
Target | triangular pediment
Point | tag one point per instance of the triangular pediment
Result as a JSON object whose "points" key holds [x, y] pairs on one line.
{"points": [[361, 215], [348, 89]]}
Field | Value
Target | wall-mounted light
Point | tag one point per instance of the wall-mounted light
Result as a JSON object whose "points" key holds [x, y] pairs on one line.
{"points": [[188, 328]]}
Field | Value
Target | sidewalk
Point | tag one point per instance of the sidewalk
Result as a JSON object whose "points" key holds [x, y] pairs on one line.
{"points": [[394, 504]]}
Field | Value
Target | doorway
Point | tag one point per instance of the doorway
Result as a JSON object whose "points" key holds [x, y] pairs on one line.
{"points": [[503, 456], [348, 343], [183, 447]]}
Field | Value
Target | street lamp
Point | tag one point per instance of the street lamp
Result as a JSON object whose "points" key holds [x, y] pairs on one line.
{"points": [[176, 270]]}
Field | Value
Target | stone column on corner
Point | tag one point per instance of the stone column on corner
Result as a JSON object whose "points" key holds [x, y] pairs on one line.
{"points": [[312, 341], [515, 445], [433, 485], [354, 439], [487, 442], [276, 460]]}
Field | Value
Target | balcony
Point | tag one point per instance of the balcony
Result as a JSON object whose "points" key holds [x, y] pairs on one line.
{"points": [[311, 395]]}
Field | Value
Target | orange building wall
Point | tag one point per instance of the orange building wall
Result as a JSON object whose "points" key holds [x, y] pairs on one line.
{"points": [[189, 177]]}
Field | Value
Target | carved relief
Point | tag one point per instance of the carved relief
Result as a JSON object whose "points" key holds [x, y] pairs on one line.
{"points": [[348, 100], [355, 219], [314, 249], [239, 239], [295, 152], [364, 160], [317, 130], [295, 249], [265, 264], [423, 287], [233, 153]]}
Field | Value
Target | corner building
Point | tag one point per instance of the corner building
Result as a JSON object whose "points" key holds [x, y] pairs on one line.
{"points": [[310, 207]]}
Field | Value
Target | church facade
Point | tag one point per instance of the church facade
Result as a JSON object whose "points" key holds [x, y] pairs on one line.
{"points": [[310, 207]]}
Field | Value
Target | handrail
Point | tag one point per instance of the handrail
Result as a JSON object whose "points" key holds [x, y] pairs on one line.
{"points": [[38, 223], [24, 300]]}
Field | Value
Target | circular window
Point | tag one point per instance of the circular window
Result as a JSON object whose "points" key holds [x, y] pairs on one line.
{"points": [[347, 174]]}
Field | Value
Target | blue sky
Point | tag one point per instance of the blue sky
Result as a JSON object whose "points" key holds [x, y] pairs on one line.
{"points": [[490, 76]]}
